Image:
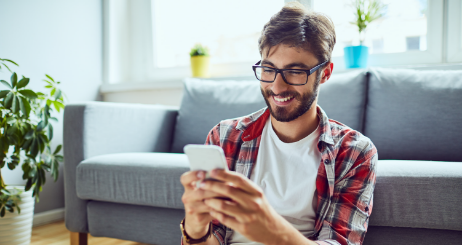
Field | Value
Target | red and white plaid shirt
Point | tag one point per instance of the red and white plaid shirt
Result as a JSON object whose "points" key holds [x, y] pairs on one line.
{"points": [[344, 184]]}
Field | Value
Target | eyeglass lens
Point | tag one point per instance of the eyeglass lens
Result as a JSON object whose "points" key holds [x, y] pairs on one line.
{"points": [[292, 76]]}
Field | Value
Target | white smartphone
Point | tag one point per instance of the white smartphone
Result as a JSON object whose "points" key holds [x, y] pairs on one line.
{"points": [[205, 157]]}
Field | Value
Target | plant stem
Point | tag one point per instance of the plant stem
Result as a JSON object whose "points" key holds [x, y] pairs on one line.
{"points": [[2, 184]]}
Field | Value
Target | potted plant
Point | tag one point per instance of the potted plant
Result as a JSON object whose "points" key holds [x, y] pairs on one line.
{"points": [[200, 61], [25, 136], [365, 12]]}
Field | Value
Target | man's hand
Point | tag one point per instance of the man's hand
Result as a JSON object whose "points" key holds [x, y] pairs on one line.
{"points": [[197, 216], [249, 213]]}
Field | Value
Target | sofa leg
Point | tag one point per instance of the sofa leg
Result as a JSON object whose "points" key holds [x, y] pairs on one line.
{"points": [[79, 238]]}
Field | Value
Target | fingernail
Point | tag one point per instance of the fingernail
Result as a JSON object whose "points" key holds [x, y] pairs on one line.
{"points": [[202, 184], [229, 202], [213, 172], [200, 174], [198, 183]]}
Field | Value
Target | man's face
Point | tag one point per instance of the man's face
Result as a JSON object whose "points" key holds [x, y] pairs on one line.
{"points": [[286, 102]]}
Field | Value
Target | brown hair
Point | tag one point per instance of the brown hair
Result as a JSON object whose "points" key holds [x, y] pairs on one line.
{"points": [[297, 27]]}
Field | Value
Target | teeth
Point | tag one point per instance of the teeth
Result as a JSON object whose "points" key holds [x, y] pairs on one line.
{"points": [[283, 99]]}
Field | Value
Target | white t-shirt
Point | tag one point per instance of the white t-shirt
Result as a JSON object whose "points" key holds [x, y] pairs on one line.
{"points": [[287, 174]]}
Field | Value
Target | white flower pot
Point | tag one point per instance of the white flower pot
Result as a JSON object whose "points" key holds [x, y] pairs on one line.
{"points": [[16, 229]]}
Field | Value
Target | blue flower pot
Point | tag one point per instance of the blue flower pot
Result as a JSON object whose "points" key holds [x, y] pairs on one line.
{"points": [[356, 56]]}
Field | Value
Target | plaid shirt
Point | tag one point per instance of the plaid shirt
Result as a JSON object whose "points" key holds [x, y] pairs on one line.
{"points": [[345, 180]]}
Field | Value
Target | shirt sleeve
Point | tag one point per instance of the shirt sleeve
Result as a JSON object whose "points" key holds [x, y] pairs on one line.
{"points": [[348, 214], [219, 230]]}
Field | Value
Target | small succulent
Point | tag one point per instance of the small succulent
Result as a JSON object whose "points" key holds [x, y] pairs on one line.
{"points": [[199, 50]]}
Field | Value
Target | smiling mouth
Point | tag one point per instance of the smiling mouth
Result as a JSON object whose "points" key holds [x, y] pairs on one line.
{"points": [[283, 99]]}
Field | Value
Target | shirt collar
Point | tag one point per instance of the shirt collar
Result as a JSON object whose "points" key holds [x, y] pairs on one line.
{"points": [[252, 125]]}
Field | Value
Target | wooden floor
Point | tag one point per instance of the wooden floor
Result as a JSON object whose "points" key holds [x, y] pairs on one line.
{"points": [[57, 234]]}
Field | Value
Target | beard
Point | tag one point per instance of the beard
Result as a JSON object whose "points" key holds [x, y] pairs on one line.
{"points": [[283, 114]]}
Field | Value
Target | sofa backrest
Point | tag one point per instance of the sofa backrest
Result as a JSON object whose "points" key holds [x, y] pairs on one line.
{"points": [[205, 103], [343, 98], [415, 115]]}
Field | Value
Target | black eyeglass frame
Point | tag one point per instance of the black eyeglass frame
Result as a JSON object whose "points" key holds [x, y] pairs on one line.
{"points": [[308, 72]]}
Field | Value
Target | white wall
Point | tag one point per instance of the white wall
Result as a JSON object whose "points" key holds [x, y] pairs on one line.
{"points": [[62, 39]]}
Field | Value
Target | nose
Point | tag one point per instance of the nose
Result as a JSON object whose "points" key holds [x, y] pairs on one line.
{"points": [[279, 86]]}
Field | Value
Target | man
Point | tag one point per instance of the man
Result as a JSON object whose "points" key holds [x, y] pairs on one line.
{"points": [[296, 176]]}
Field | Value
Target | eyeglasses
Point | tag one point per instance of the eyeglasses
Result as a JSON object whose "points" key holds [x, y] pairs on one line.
{"points": [[294, 77]]}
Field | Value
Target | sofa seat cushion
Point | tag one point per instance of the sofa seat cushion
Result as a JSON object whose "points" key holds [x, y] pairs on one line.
{"points": [[151, 179], [418, 194]]}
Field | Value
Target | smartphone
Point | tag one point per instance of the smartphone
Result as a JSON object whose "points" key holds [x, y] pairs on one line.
{"points": [[205, 157]]}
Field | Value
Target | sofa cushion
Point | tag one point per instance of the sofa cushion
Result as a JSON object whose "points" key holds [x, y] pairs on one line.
{"points": [[205, 103], [343, 98], [415, 115], [418, 194], [151, 179]]}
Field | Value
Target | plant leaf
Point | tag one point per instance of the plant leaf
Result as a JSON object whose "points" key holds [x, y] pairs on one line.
{"points": [[3, 93], [6, 83], [23, 82], [28, 93], [11, 61], [50, 131], [21, 106], [28, 185], [34, 147], [58, 105], [42, 142], [58, 94], [15, 106], [27, 144], [41, 126], [8, 100], [26, 106], [14, 79], [29, 134], [58, 148], [55, 170], [49, 77], [5, 66]]}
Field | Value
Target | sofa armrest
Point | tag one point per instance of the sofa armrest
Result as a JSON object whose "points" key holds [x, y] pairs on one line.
{"points": [[97, 128]]}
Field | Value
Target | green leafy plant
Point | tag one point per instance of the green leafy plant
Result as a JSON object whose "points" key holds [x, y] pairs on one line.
{"points": [[365, 12], [199, 50], [26, 133], [4, 61]]}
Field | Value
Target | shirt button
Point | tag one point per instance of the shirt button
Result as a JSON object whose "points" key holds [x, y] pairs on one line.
{"points": [[326, 161]]}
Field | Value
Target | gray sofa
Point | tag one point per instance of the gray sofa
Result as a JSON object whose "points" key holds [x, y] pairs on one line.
{"points": [[123, 161]]}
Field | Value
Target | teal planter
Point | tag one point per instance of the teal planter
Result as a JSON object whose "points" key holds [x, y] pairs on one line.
{"points": [[356, 56]]}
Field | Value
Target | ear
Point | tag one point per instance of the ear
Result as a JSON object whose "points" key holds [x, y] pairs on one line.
{"points": [[327, 72]]}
